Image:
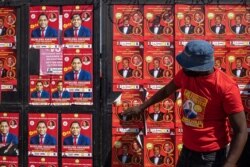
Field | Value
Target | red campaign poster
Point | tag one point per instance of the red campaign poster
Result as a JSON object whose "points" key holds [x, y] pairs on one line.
{"points": [[238, 64], [126, 100], [159, 150], [59, 94], [189, 22], [39, 90], [158, 22], [77, 135], [9, 127], [8, 74], [51, 61], [127, 66], [76, 162], [178, 109], [42, 162], [160, 114], [238, 19], [77, 26], [8, 27], [43, 134], [44, 26], [128, 22], [7, 161], [220, 58], [127, 150], [178, 143], [158, 64], [216, 22], [78, 75]]}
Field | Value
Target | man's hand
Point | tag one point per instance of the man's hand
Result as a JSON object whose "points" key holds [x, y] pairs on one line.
{"points": [[133, 110]]}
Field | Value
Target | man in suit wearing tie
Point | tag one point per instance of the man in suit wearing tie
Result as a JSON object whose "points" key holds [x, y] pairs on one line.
{"points": [[39, 92], [76, 138], [126, 71], [218, 28], [2, 28], [42, 137], [60, 93], [217, 64], [157, 159], [157, 71], [156, 27], [77, 74], [77, 30], [125, 157], [157, 115], [3, 71], [126, 28], [125, 106], [238, 28], [44, 31], [5, 136], [187, 28], [239, 71]]}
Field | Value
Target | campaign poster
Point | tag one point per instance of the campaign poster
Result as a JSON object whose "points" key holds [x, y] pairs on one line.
{"points": [[76, 162], [220, 58], [238, 23], [8, 70], [127, 150], [78, 75], [9, 161], [238, 61], [9, 127], [178, 109], [77, 26], [128, 22], [127, 66], [43, 134], [39, 90], [44, 26], [189, 22], [160, 115], [77, 135], [59, 94], [158, 64], [159, 150], [178, 143], [42, 162], [126, 100], [51, 61], [7, 27], [216, 22], [158, 22]]}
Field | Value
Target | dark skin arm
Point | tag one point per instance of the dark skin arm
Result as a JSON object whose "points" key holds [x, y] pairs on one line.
{"points": [[157, 97], [238, 123]]}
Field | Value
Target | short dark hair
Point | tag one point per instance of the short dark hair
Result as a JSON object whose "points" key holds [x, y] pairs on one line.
{"points": [[39, 82], [75, 122], [218, 16], [41, 122], [76, 14], [76, 57], [4, 121], [42, 14]]}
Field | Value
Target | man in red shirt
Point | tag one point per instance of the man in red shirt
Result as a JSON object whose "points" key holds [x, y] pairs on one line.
{"points": [[209, 98]]}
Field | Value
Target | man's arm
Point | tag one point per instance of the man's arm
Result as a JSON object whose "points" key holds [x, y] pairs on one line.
{"points": [[238, 123], [157, 97]]}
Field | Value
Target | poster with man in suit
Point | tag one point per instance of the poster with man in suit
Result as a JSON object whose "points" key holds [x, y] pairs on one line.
{"points": [[59, 94]]}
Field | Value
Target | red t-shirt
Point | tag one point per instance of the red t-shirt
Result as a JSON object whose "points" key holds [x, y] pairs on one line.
{"points": [[207, 101]]}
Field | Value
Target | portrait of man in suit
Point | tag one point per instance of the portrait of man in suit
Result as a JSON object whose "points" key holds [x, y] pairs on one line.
{"points": [[187, 28], [136, 60], [44, 30], [238, 28], [217, 64], [126, 71], [189, 111], [2, 27], [10, 62], [157, 115], [156, 27], [77, 30], [3, 71], [218, 28], [126, 28], [39, 92], [157, 71], [42, 137], [125, 106], [76, 138], [157, 159], [239, 71], [248, 60], [60, 93], [125, 157], [77, 73]]}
